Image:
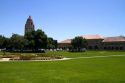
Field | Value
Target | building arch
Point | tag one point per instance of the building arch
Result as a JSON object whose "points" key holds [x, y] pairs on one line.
{"points": [[121, 48], [112, 48]]}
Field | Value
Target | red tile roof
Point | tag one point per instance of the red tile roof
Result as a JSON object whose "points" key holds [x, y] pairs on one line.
{"points": [[93, 36], [114, 39], [106, 39], [66, 41]]}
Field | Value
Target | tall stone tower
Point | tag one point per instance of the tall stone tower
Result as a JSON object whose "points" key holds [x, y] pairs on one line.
{"points": [[29, 26]]}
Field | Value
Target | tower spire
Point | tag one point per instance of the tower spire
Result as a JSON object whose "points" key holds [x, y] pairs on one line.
{"points": [[29, 26], [30, 17]]}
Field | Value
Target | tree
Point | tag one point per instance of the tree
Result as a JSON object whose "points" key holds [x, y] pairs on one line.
{"points": [[36, 40], [6, 43], [30, 40], [2, 41], [78, 43], [51, 43], [16, 42], [55, 43], [40, 39]]}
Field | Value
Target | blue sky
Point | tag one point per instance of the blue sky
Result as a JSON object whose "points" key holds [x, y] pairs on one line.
{"points": [[62, 19]]}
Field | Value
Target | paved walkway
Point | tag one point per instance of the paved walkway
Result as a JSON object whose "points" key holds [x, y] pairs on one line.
{"points": [[97, 56], [4, 59]]}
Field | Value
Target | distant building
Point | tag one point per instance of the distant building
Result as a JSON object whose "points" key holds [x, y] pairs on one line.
{"points": [[94, 41], [114, 43], [65, 44], [29, 26], [97, 42]]}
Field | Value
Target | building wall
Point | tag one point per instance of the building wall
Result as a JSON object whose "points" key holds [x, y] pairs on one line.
{"points": [[94, 44], [97, 44], [114, 45], [64, 45]]}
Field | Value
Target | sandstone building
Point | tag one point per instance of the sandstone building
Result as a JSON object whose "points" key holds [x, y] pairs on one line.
{"points": [[97, 42]]}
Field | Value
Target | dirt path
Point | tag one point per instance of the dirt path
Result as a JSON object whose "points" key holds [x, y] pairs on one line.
{"points": [[4, 59], [8, 59]]}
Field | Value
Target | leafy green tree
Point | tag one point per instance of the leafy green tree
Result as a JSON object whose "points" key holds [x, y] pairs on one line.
{"points": [[40, 39], [16, 42], [78, 43], [36, 40], [6, 42], [51, 43], [30, 40], [2, 40], [30, 35], [55, 43]]}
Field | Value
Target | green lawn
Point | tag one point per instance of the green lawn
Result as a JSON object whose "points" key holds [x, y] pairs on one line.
{"points": [[84, 70], [88, 53]]}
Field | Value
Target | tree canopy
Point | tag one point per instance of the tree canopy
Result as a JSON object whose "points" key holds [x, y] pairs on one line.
{"points": [[2, 41], [79, 43], [51, 44], [34, 40]]}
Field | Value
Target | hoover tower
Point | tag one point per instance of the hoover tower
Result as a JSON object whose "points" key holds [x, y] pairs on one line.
{"points": [[29, 26]]}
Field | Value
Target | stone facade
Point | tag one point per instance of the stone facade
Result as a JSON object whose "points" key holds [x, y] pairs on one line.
{"points": [[65, 44], [114, 43], [29, 26], [94, 41], [97, 42], [94, 44]]}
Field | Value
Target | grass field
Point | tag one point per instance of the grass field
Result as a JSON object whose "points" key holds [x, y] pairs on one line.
{"points": [[82, 70]]}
